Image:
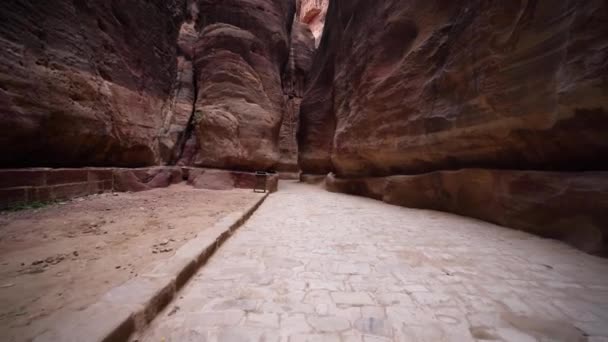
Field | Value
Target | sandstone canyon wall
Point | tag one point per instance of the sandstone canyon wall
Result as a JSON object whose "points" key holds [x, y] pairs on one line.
{"points": [[436, 86], [86, 82], [294, 81], [239, 56], [136, 83]]}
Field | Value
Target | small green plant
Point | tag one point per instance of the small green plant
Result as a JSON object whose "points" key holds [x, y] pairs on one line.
{"points": [[28, 205]]}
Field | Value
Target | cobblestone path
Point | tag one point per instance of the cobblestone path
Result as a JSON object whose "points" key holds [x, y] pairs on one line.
{"points": [[316, 266]]}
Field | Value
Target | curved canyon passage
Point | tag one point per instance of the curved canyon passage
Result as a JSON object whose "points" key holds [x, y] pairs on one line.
{"points": [[132, 133]]}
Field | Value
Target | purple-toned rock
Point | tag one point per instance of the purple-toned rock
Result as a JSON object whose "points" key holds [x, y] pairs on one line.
{"points": [[86, 82], [294, 81], [410, 86], [239, 55]]}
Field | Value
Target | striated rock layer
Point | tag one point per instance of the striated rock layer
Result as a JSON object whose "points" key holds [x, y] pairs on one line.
{"points": [[86, 82], [439, 85], [294, 80], [571, 207], [239, 54], [448, 85], [132, 83]]}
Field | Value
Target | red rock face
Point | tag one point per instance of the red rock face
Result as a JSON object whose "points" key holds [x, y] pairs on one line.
{"points": [[240, 51], [446, 85], [565, 206], [86, 82], [294, 80], [451, 85], [177, 123], [99, 84]]}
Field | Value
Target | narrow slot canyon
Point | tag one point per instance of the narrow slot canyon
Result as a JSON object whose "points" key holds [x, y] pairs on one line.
{"points": [[303, 170]]}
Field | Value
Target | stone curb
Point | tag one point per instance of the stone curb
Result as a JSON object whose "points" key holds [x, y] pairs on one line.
{"points": [[129, 308]]}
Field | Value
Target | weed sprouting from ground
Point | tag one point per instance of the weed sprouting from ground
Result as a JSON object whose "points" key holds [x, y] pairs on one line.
{"points": [[28, 205]]}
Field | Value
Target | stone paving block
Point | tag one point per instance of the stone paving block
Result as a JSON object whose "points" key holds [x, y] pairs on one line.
{"points": [[314, 338], [371, 338], [352, 298], [244, 334], [294, 323], [230, 317], [317, 297], [404, 315], [264, 320], [430, 277], [373, 311], [329, 323], [247, 305], [392, 298], [374, 326]]}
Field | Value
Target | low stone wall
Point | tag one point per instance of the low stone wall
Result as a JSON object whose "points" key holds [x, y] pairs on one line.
{"points": [[215, 179], [27, 186], [572, 207], [23, 186]]}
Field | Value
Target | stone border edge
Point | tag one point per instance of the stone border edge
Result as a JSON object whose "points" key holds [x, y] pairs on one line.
{"points": [[130, 307]]}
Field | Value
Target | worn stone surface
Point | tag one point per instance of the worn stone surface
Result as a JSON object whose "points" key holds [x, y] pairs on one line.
{"points": [[567, 206], [311, 265], [446, 85], [239, 55], [86, 83]]}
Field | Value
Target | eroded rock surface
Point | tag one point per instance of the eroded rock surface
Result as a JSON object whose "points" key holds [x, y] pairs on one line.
{"points": [[239, 55], [447, 85], [97, 84], [294, 81], [567, 206], [436, 86], [86, 82]]}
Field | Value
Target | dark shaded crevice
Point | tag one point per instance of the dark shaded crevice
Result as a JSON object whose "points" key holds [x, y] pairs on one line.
{"points": [[187, 134]]}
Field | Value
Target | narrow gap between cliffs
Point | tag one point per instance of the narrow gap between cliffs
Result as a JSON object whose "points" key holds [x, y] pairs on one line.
{"points": [[187, 134]]}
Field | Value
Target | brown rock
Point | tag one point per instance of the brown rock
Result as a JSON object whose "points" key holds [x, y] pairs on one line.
{"points": [[85, 83], [294, 80], [565, 206], [241, 48], [448, 85], [211, 179]]}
